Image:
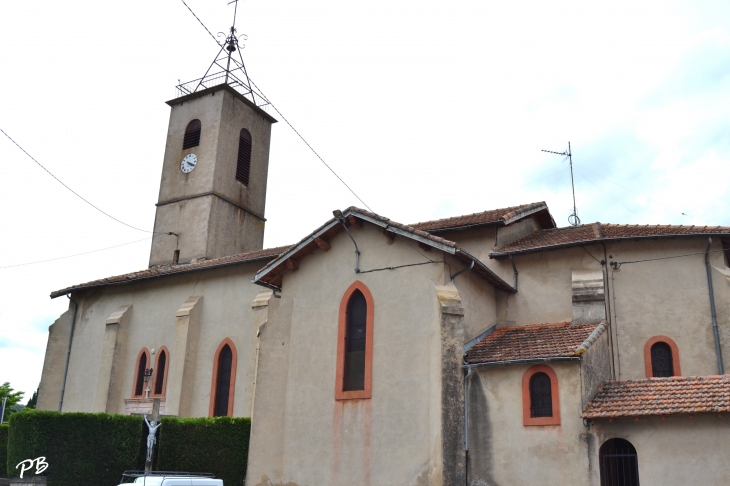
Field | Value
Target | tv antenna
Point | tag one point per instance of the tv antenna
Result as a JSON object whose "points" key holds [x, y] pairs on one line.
{"points": [[573, 219]]}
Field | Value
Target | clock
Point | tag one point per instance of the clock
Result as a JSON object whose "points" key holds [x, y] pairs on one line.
{"points": [[188, 163]]}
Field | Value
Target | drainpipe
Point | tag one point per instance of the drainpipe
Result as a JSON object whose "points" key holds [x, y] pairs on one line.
{"points": [[463, 270], [514, 268], [466, 426], [338, 215], [712, 307], [68, 352]]}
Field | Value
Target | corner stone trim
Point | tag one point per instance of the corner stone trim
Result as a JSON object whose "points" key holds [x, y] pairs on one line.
{"points": [[187, 307]]}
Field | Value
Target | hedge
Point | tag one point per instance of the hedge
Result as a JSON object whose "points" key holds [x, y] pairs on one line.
{"points": [[218, 445], [80, 448], [4, 450]]}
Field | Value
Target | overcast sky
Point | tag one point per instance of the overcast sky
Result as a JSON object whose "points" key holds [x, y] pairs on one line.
{"points": [[426, 109]]}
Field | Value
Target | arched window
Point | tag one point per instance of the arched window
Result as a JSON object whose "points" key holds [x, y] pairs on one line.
{"points": [[143, 359], [243, 168], [661, 357], [540, 398], [619, 463], [192, 135], [160, 383], [224, 380], [355, 344]]}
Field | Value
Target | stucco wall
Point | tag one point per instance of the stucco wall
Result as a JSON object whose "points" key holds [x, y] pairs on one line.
{"points": [[49, 391], [225, 312], [393, 437]]}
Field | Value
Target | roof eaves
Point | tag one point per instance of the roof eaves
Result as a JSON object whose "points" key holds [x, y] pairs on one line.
{"points": [[495, 279], [524, 213]]}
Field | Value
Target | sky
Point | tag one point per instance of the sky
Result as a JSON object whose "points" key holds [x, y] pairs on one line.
{"points": [[426, 109]]}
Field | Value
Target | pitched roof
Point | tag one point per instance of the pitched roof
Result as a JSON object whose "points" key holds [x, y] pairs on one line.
{"points": [[493, 216], [589, 233], [272, 273], [165, 270], [661, 396], [517, 343]]}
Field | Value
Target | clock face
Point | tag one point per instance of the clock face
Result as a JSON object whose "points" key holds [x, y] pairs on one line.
{"points": [[188, 163]]}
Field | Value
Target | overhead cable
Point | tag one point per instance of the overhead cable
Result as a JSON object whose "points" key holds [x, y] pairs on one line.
{"points": [[617, 265]]}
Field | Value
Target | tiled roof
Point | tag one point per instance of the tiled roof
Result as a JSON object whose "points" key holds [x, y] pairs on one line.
{"points": [[534, 341], [163, 270], [493, 216], [661, 396], [600, 232]]}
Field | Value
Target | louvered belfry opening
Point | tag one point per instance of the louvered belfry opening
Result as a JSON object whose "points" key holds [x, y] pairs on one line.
{"points": [[192, 135], [160, 378], [139, 386], [541, 396], [619, 463], [223, 382], [243, 168], [355, 342], [661, 360]]}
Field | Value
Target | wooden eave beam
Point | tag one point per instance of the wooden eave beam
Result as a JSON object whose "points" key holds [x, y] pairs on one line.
{"points": [[388, 234], [292, 264], [322, 243], [424, 247], [354, 221]]}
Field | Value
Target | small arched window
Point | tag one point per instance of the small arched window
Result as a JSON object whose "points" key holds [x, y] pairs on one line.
{"points": [[160, 373], [661, 357], [243, 168], [143, 360], [224, 379], [541, 396], [192, 135], [355, 344], [357, 310], [619, 463]]}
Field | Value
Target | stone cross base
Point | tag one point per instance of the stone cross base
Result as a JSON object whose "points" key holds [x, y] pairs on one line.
{"points": [[141, 406]]}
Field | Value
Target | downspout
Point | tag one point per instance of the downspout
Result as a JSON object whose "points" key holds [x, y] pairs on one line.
{"points": [[466, 425], [463, 270], [712, 307], [338, 215], [68, 352], [607, 306], [512, 260]]}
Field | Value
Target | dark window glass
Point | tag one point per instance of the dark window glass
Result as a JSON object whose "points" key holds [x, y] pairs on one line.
{"points": [[541, 396], [619, 463], [160, 377], [192, 135], [139, 387], [355, 342], [243, 168], [661, 360], [223, 382], [726, 251]]}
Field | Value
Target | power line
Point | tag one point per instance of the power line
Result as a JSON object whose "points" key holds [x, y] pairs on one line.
{"points": [[77, 254], [201, 22], [617, 265], [609, 195], [74, 192]]}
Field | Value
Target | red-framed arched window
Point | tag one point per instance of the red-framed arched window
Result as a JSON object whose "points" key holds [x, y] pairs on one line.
{"points": [[162, 363], [192, 134], [540, 397], [223, 383], [661, 357], [354, 376], [143, 362]]}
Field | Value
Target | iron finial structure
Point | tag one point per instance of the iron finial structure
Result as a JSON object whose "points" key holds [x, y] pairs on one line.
{"points": [[573, 219], [226, 69]]}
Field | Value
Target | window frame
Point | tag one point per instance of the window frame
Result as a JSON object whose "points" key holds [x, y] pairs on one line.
{"points": [[527, 420], [676, 370], [135, 377], [214, 378], [187, 131], [340, 393], [156, 371], [247, 163]]}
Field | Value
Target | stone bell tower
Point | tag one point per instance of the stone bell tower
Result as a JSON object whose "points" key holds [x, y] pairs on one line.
{"points": [[213, 186]]}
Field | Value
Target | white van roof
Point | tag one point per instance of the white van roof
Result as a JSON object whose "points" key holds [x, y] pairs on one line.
{"points": [[176, 481]]}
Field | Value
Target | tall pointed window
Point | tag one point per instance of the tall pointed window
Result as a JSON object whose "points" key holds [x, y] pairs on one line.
{"points": [[192, 135], [243, 168], [355, 344], [143, 360], [661, 357], [160, 383], [619, 463], [540, 397], [224, 379]]}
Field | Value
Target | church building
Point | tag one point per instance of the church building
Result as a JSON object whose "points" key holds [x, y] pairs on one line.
{"points": [[487, 349]]}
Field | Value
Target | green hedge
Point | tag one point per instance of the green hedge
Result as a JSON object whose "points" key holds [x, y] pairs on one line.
{"points": [[80, 448], [4, 450], [217, 445]]}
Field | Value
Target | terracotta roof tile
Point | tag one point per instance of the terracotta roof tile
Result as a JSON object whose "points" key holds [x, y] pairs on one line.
{"points": [[661, 396], [596, 232], [163, 270], [534, 341], [492, 216]]}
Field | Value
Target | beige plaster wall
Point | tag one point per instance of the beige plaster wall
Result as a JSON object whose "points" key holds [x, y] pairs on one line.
{"points": [[477, 299], [225, 312], [301, 435], [49, 391]]}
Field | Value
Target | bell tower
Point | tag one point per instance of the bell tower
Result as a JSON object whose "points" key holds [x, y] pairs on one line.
{"points": [[214, 173]]}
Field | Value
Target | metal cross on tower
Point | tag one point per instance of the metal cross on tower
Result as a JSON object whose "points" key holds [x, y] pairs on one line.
{"points": [[573, 219]]}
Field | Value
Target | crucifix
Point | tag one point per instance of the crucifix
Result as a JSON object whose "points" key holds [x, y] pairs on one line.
{"points": [[152, 425]]}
